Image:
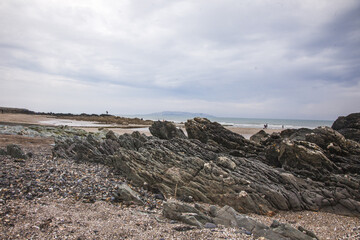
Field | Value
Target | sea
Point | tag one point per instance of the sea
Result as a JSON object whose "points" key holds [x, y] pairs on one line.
{"points": [[243, 122]]}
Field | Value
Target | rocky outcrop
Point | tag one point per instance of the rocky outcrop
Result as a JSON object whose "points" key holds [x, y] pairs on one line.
{"points": [[260, 137], [227, 216], [313, 152], [348, 126], [126, 195], [166, 130], [303, 174], [14, 151], [213, 133]]}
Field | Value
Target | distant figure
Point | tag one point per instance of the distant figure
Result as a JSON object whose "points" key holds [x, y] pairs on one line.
{"points": [[283, 127], [107, 112], [265, 126]]}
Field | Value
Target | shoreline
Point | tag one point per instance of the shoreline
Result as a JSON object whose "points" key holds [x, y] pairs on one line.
{"points": [[69, 210], [91, 126]]}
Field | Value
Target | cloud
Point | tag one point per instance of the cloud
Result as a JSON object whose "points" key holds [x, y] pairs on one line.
{"points": [[230, 58]]}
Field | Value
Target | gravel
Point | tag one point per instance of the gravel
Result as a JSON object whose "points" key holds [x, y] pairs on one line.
{"points": [[48, 198]]}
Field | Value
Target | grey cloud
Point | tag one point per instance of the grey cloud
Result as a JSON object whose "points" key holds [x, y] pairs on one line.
{"points": [[228, 52]]}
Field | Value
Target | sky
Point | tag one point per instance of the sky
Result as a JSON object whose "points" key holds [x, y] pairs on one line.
{"points": [[297, 59]]}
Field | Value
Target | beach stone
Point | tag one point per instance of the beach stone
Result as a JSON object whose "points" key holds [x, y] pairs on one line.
{"points": [[166, 130], [306, 157], [126, 195], [260, 137], [185, 213], [288, 231], [3, 151], [15, 151], [209, 225], [214, 133], [348, 126]]}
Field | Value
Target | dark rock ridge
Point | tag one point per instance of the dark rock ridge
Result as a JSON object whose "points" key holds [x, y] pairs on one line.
{"points": [[260, 137], [348, 126], [212, 133], [296, 170], [166, 130]]}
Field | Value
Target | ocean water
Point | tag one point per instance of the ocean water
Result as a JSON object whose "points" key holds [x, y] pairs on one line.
{"points": [[247, 122]]}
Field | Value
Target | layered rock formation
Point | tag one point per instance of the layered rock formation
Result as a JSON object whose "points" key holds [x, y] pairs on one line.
{"points": [[166, 130], [227, 216], [295, 170], [348, 126]]}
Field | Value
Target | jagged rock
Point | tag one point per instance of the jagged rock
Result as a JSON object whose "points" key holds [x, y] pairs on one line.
{"points": [[288, 231], [305, 157], [185, 213], [166, 130], [126, 195], [260, 137], [348, 126], [15, 151], [212, 132], [228, 217], [3, 151], [303, 175]]}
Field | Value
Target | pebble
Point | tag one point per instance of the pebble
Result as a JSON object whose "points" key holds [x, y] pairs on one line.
{"points": [[209, 225]]}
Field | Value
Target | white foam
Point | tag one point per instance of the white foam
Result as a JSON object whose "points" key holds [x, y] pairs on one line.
{"points": [[73, 123]]}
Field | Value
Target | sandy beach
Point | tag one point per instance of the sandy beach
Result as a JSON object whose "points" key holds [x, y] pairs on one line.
{"points": [[88, 126]]}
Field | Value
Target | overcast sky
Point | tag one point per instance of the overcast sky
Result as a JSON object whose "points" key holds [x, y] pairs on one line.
{"points": [[240, 58]]}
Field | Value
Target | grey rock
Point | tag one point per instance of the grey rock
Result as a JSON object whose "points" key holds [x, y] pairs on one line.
{"points": [[166, 130], [348, 126], [15, 151], [288, 231], [3, 151], [185, 213], [126, 195], [260, 137], [209, 225], [209, 173]]}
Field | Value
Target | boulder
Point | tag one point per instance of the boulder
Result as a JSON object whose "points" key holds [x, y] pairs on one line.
{"points": [[15, 151], [166, 130], [306, 157], [214, 133], [185, 213], [126, 195], [288, 231], [260, 136], [348, 126], [227, 216]]}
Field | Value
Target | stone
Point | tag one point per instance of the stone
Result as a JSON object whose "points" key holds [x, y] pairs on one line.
{"points": [[213, 133], [288, 231], [348, 126], [126, 195], [305, 157], [185, 213], [209, 225], [3, 151], [166, 130], [260, 137], [15, 151]]}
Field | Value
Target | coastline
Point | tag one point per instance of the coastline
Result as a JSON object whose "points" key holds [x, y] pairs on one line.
{"points": [[70, 201], [90, 126]]}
